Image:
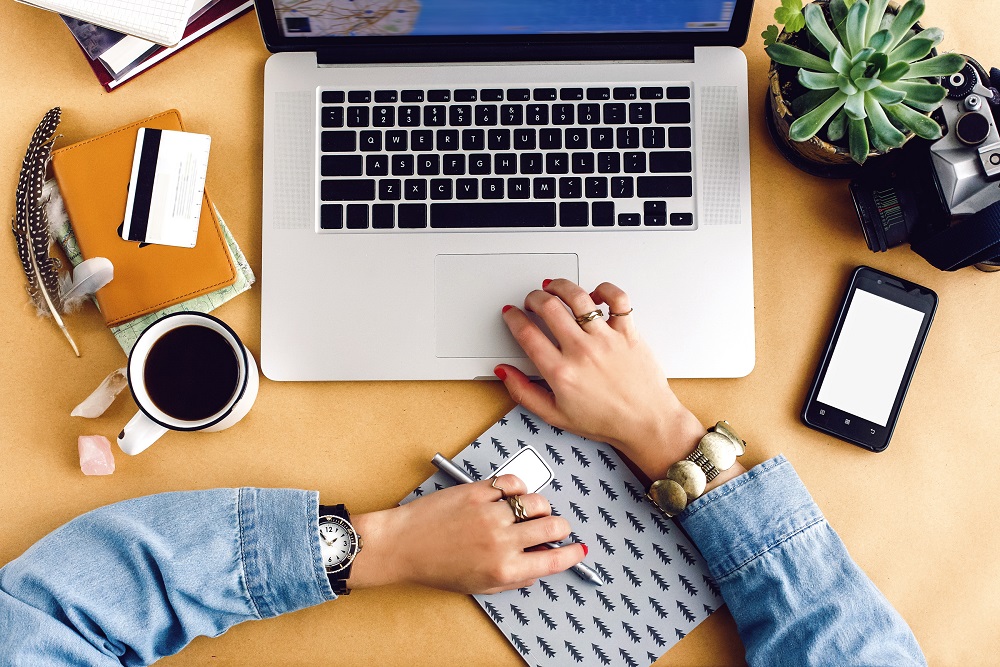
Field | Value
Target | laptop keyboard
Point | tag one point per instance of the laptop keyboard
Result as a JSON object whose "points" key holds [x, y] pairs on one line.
{"points": [[506, 158]]}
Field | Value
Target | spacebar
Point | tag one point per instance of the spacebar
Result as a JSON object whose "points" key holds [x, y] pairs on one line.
{"points": [[493, 214]]}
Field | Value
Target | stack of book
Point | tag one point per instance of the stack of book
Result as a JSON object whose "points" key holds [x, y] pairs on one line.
{"points": [[117, 58]]}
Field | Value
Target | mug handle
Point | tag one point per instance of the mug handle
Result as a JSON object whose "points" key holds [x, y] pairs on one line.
{"points": [[139, 434]]}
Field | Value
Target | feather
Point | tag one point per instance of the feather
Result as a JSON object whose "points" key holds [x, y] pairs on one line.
{"points": [[31, 231], [88, 276]]}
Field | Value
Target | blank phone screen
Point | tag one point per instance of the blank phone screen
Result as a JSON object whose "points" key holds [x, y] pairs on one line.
{"points": [[870, 357]]}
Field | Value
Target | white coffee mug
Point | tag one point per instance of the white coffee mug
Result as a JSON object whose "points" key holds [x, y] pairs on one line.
{"points": [[151, 422]]}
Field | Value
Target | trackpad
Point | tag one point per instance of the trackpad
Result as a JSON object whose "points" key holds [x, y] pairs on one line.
{"points": [[470, 290]]}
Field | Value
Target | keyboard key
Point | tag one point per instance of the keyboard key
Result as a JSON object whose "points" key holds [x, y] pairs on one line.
{"points": [[402, 165], [332, 97], [412, 216], [609, 163], [557, 163], [486, 114], [383, 116], [576, 138], [563, 114], [670, 162], [622, 187], [492, 188], [357, 116], [480, 163], [447, 140], [544, 188], [654, 137], [339, 141], [359, 96], [511, 114], [635, 163], [344, 189], [439, 96], [498, 140], [531, 163], [454, 165], [663, 186], [568, 94], [395, 140], [598, 93], [624, 93], [341, 165], [332, 117], [331, 216], [681, 219], [429, 165], [422, 140], [550, 138], [382, 216], [518, 95], [629, 219], [672, 112], [440, 188], [679, 137], [589, 114], [596, 187], [537, 114], [386, 96], [412, 96], [573, 214], [601, 137], [491, 95], [467, 188], [654, 213], [505, 163], [602, 214], [640, 113], [473, 140], [524, 140], [460, 115], [614, 113], [376, 165], [357, 216], [415, 188], [544, 94], [434, 115], [371, 140], [409, 116], [456, 215], [583, 163], [628, 137], [390, 189], [465, 95], [648, 93], [678, 93], [570, 187], [518, 188]]}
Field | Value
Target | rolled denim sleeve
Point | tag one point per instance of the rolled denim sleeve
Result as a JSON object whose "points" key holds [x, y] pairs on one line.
{"points": [[135, 581], [796, 595]]}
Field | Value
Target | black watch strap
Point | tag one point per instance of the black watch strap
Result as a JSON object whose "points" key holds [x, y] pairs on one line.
{"points": [[338, 580]]}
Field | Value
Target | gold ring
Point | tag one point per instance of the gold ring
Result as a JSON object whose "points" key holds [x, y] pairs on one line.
{"points": [[503, 494], [587, 317], [520, 514], [621, 314]]}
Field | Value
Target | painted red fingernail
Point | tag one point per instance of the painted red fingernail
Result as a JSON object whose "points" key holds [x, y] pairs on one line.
{"points": [[585, 549], [593, 296], [500, 372], [506, 308], [545, 283]]}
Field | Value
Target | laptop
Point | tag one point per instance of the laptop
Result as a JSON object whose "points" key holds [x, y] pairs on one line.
{"points": [[428, 161]]}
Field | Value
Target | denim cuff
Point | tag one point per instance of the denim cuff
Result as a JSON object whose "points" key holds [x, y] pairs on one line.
{"points": [[747, 516], [279, 539]]}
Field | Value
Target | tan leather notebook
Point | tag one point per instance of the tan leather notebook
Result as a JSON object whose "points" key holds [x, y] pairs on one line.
{"points": [[93, 177]]}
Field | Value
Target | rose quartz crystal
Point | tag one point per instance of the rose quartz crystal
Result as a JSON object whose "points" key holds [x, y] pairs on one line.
{"points": [[95, 455]]}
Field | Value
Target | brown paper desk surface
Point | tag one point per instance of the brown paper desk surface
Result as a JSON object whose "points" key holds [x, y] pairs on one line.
{"points": [[919, 518]]}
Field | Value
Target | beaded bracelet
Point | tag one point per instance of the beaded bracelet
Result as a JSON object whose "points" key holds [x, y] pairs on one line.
{"points": [[687, 479]]}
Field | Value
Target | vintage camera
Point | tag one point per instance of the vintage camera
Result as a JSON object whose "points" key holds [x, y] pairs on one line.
{"points": [[943, 197]]}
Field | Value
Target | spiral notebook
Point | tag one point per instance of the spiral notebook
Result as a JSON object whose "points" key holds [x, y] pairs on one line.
{"points": [[658, 586]]}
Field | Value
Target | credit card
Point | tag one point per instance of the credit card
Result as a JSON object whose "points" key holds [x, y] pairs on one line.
{"points": [[166, 188]]}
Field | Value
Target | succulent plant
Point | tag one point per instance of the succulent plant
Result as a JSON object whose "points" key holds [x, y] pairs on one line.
{"points": [[870, 79]]}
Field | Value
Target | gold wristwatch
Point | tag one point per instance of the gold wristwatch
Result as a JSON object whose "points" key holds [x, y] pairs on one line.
{"points": [[687, 479]]}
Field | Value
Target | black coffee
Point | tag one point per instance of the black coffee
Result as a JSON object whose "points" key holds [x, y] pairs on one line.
{"points": [[191, 372]]}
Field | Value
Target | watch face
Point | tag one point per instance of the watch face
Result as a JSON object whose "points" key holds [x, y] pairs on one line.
{"points": [[338, 543]]}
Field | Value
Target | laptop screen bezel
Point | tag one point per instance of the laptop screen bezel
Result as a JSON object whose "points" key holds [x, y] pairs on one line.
{"points": [[500, 48]]}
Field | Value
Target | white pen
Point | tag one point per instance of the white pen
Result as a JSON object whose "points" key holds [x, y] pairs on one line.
{"points": [[445, 465]]}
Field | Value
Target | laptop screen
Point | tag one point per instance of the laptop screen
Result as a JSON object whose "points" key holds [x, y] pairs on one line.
{"points": [[367, 18]]}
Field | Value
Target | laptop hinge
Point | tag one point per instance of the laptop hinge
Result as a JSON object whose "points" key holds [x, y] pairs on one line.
{"points": [[418, 54]]}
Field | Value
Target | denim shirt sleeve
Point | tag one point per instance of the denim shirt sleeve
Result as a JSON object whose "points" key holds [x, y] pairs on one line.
{"points": [[796, 595], [135, 581]]}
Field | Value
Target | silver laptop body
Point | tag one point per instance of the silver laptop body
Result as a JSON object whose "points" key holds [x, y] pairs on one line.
{"points": [[424, 303]]}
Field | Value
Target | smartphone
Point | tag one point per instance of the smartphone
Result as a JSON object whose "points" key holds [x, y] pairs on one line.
{"points": [[870, 358]]}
